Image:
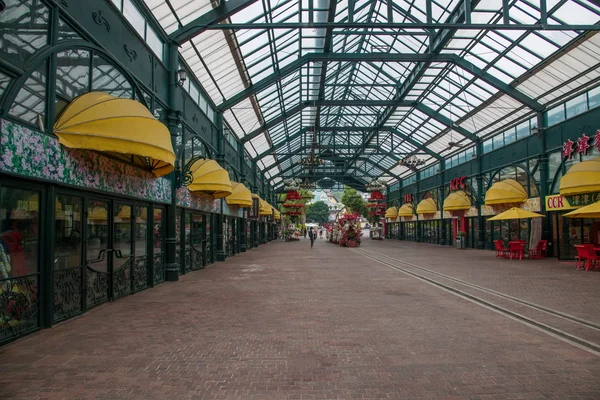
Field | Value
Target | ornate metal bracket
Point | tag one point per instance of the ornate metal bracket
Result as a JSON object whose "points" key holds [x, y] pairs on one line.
{"points": [[195, 118], [132, 54], [99, 19], [185, 178]]}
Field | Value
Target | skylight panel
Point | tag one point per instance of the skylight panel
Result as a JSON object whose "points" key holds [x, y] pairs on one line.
{"points": [[574, 14]]}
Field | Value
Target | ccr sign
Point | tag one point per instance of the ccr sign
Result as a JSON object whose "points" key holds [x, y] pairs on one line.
{"points": [[557, 202]]}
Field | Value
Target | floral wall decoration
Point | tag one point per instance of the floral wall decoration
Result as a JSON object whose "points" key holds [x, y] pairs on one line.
{"points": [[197, 201], [32, 154]]}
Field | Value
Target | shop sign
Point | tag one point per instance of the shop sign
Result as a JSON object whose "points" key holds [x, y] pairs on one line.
{"points": [[458, 183], [581, 146], [580, 200], [253, 211], [408, 198], [557, 202]]}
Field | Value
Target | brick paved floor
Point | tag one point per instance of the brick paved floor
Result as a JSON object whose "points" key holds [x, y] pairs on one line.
{"points": [[287, 322], [554, 284]]}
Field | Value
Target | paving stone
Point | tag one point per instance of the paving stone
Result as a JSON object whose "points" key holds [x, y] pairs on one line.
{"points": [[286, 322]]}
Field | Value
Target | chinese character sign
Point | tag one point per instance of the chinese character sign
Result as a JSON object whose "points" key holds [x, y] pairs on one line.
{"points": [[583, 145], [568, 149]]}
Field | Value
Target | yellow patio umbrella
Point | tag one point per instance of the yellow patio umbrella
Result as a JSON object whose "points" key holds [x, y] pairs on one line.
{"points": [[123, 128], [515, 213], [591, 211]]}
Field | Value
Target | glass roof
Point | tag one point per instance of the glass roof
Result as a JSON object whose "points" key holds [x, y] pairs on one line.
{"points": [[368, 111]]}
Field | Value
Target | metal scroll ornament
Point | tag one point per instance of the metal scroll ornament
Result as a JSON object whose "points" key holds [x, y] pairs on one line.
{"points": [[188, 174]]}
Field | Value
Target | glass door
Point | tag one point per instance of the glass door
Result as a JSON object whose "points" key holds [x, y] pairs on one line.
{"points": [[98, 233], [122, 249], [197, 242]]}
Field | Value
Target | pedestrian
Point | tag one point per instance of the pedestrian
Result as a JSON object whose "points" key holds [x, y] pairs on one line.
{"points": [[312, 235], [321, 232]]}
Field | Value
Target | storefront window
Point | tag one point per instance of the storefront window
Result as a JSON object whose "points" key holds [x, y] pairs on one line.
{"points": [[72, 73], [158, 232], [555, 115], [576, 105], [68, 228], [107, 78], [97, 233], [141, 231], [30, 103]]}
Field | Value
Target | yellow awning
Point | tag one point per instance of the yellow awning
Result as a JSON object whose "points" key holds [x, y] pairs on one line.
{"points": [[122, 127], [581, 178], [392, 213], [98, 214], [265, 208], [515, 213], [427, 206], [277, 215], [240, 195], [457, 201], [591, 211], [406, 210], [208, 177], [506, 191]]}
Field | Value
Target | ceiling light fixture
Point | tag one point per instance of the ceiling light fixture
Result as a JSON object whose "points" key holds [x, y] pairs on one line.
{"points": [[412, 161]]}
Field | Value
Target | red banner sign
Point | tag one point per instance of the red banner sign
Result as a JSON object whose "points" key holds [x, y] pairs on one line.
{"points": [[458, 183], [408, 198]]}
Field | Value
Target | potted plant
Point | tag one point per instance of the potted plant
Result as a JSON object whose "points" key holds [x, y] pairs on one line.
{"points": [[461, 240]]}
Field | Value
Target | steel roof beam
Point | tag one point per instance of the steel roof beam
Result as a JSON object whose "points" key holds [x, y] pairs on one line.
{"points": [[383, 57], [222, 12]]}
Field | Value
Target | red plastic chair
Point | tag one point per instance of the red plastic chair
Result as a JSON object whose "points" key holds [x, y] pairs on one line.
{"points": [[501, 251], [516, 249], [540, 250], [582, 256], [592, 257]]}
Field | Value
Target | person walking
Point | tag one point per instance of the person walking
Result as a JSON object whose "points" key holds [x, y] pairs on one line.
{"points": [[312, 235]]}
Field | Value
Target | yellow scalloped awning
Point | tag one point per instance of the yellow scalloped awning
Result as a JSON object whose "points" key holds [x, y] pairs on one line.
{"points": [[506, 191], [391, 213], [265, 208], [406, 210], [581, 178], [277, 215], [210, 178], [240, 195], [427, 206], [124, 128], [457, 201]]}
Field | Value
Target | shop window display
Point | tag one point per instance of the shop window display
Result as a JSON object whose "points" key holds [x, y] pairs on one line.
{"points": [[19, 261]]}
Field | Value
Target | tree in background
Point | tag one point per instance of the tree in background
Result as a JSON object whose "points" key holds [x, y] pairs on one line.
{"points": [[354, 202], [317, 212]]}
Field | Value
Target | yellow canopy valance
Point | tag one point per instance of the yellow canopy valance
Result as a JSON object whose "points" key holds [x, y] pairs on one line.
{"points": [[581, 178], [506, 191], [240, 195], [591, 211], [277, 215], [122, 127], [515, 213], [457, 201], [265, 208], [406, 210], [392, 213], [208, 177], [427, 206]]}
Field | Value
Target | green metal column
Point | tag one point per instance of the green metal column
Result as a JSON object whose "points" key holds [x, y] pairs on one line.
{"points": [[480, 234], [242, 220], [219, 217], [441, 192], [174, 120], [544, 177]]}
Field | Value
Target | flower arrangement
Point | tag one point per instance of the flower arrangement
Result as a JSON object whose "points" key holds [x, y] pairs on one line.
{"points": [[376, 185], [293, 213], [376, 205], [293, 195], [293, 205], [376, 196], [292, 184]]}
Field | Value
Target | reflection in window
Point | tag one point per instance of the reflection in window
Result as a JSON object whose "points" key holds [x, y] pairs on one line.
{"points": [[594, 97], [23, 29], [68, 228], [556, 115], [141, 230], [107, 78], [4, 81], [158, 230], [66, 32], [134, 17], [193, 148], [576, 105], [97, 233], [31, 99], [19, 220], [72, 73]]}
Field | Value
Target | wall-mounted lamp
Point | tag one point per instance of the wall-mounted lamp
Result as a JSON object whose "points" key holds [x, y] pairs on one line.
{"points": [[535, 131], [2, 5], [181, 76]]}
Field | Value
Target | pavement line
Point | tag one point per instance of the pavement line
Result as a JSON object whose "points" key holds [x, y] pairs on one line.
{"points": [[556, 313], [573, 340]]}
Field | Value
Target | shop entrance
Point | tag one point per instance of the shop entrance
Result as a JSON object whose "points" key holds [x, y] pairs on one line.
{"points": [[116, 249], [230, 236]]}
